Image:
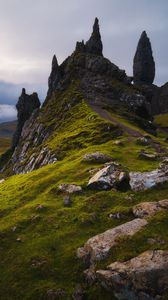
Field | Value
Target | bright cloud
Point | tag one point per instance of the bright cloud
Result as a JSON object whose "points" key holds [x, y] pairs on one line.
{"points": [[7, 112]]}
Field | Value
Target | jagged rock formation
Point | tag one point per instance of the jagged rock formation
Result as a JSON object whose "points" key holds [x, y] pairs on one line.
{"points": [[25, 107], [144, 65], [54, 77], [94, 44], [100, 83]]}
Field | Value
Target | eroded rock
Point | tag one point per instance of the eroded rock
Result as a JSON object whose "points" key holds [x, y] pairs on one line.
{"points": [[143, 277], [70, 188], [110, 176], [98, 247], [146, 209], [140, 181], [97, 157], [144, 65]]}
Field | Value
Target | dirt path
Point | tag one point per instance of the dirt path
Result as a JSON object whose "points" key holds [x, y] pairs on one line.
{"points": [[106, 115]]}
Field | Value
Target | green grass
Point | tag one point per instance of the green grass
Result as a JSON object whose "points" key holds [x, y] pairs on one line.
{"points": [[4, 144], [44, 257], [161, 120]]}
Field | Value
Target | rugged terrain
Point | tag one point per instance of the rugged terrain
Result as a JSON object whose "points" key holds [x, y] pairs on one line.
{"points": [[83, 188]]}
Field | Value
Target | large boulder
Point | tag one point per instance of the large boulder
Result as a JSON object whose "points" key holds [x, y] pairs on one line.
{"points": [[144, 277], [140, 181], [110, 176], [144, 65], [98, 247]]}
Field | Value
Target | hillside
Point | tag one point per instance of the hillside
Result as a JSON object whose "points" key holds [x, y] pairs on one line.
{"points": [[84, 163]]}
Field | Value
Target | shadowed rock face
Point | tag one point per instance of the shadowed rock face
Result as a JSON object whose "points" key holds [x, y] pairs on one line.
{"points": [[25, 107], [144, 65], [54, 77], [94, 44]]}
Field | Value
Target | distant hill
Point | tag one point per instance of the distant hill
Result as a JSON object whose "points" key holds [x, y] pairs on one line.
{"points": [[7, 129]]}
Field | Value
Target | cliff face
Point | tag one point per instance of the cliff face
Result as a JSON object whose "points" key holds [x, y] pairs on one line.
{"points": [[25, 107]]}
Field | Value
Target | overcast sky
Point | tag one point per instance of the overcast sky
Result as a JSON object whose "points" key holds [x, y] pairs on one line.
{"points": [[31, 31]]}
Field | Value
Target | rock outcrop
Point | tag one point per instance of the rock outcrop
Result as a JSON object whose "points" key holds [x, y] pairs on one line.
{"points": [[144, 65], [98, 247], [143, 277], [25, 107], [147, 209], [111, 176], [140, 181], [94, 44]]}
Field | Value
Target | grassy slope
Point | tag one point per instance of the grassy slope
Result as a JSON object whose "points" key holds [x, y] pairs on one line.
{"points": [[5, 143], [45, 256]]}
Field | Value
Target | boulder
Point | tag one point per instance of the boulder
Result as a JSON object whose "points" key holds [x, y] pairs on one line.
{"points": [[97, 157], [145, 180], [146, 209], [147, 156], [70, 188], [110, 176], [144, 65], [98, 247], [2, 180], [143, 277]]}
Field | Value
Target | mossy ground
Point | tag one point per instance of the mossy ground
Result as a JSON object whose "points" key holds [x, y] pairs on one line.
{"points": [[5, 143], [38, 246]]}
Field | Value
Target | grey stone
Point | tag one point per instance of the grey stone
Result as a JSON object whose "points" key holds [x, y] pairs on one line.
{"points": [[144, 65], [143, 277]]}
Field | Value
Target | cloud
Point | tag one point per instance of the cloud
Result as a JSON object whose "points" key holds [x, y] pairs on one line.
{"points": [[32, 31], [7, 112]]}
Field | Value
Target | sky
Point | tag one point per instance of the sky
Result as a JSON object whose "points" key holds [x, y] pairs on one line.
{"points": [[32, 31]]}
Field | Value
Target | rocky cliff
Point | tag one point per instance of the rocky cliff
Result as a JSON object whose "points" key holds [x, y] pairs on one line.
{"points": [[99, 82]]}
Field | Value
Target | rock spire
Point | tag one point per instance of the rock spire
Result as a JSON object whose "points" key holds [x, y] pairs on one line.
{"points": [[54, 77], [143, 64], [94, 44], [25, 107]]}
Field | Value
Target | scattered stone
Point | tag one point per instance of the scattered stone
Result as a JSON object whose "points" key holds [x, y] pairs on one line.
{"points": [[2, 180], [78, 293], [38, 262], [67, 201], [109, 177], [97, 157], [142, 277], [148, 156], [146, 180], [14, 228], [144, 65], [19, 239], [56, 294], [40, 207], [118, 143], [153, 241], [116, 215], [146, 209], [70, 188], [98, 247], [143, 141]]}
